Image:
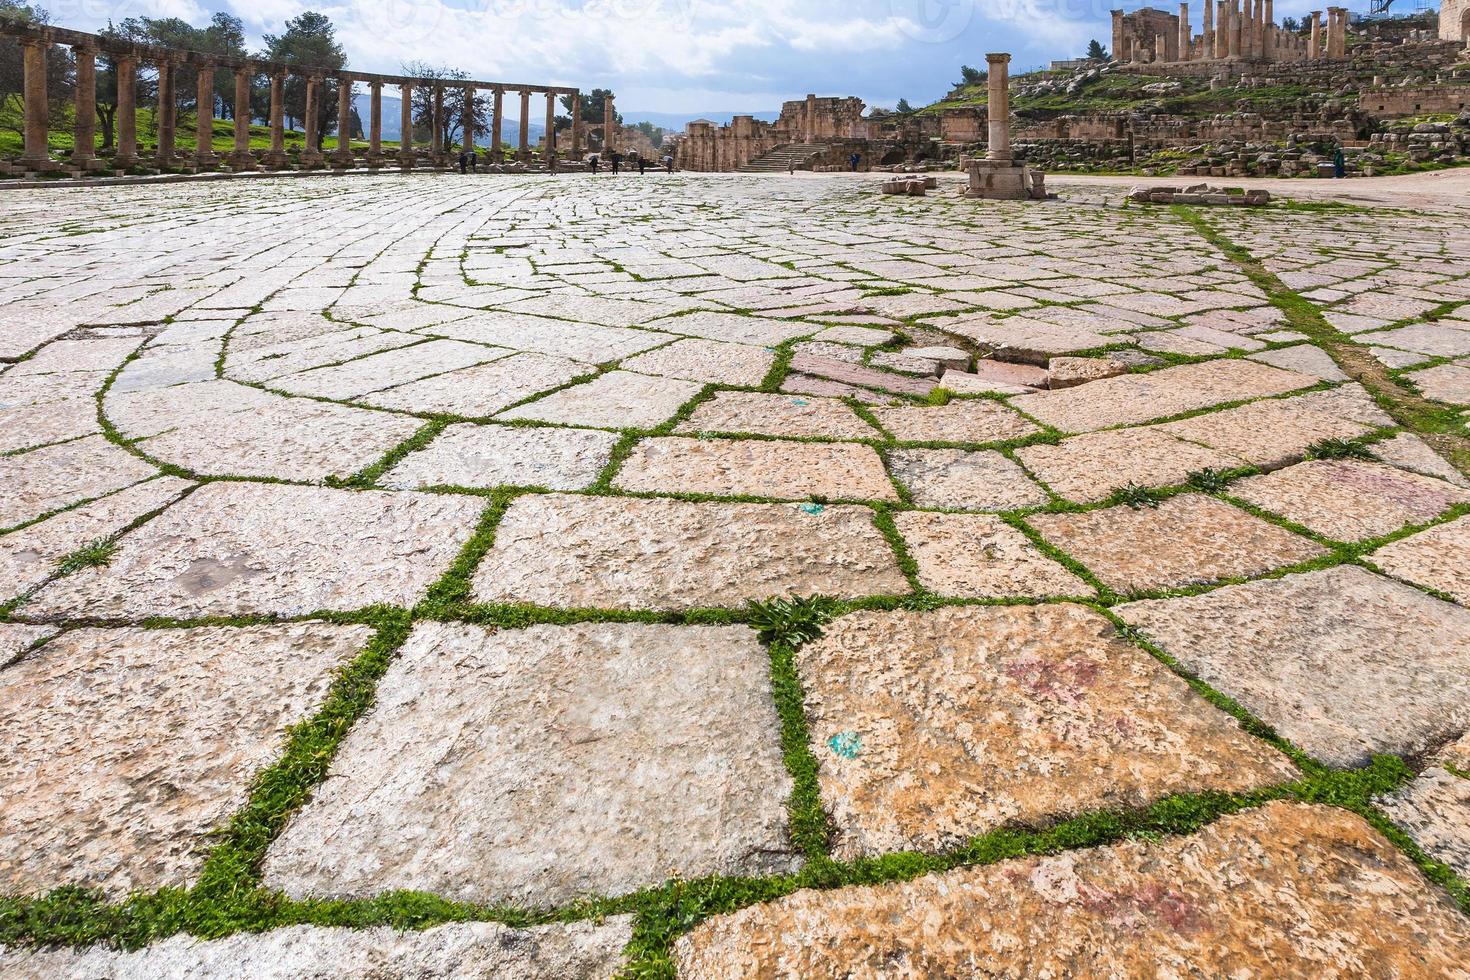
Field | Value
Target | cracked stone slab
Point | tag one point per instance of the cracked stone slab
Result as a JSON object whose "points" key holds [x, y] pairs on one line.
{"points": [[243, 548], [757, 468], [777, 415], [1448, 383], [577, 341], [25, 426], [1190, 539], [932, 728], [1271, 433], [1344, 663], [1133, 398], [1438, 559], [1435, 810], [128, 745], [1350, 500], [630, 553], [980, 556], [736, 327], [1088, 468], [30, 556], [52, 477], [1304, 359], [16, 639], [958, 479], [1409, 452], [483, 390], [706, 361], [387, 369], [585, 950], [488, 456], [616, 400], [1289, 889], [1423, 338], [966, 420], [538, 766]]}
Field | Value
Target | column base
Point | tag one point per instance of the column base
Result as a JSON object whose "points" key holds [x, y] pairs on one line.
{"points": [[276, 160], [311, 159], [343, 161], [206, 163], [37, 164], [1005, 180]]}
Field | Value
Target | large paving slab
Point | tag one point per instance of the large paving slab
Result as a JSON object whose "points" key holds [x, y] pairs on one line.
{"points": [[630, 553], [772, 468], [537, 766], [487, 456], [1186, 540], [126, 747], [1088, 468], [30, 556], [16, 638], [1285, 890], [707, 361], [1350, 500], [1438, 558], [482, 390], [959, 479], [47, 479], [1446, 383], [1435, 810], [616, 400], [966, 420], [1132, 398], [930, 728], [980, 556], [377, 371], [777, 415], [1273, 432], [1342, 662], [572, 951], [242, 548]]}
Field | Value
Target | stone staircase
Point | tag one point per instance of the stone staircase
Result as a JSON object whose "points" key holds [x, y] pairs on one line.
{"points": [[782, 157]]}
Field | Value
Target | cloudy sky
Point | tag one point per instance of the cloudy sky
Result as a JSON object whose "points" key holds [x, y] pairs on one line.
{"points": [[686, 56]]}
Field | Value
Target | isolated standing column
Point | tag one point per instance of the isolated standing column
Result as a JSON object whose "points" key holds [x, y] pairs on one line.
{"points": [[242, 158], [126, 156], [204, 156], [166, 113], [999, 110], [343, 158], [405, 137], [525, 143]]}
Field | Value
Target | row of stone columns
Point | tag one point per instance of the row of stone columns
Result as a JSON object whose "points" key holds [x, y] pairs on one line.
{"points": [[36, 154], [1233, 29]]}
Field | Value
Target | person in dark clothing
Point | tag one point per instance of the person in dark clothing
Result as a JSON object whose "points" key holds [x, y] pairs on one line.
{"points": [[1339, 164], [617, 161], [464, 166], [854, 160], [641, 164], [593, 162], [474, 161], [669, 163]]}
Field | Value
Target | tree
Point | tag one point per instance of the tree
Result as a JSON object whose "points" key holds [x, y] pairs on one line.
{"points": [[904, 108], [1291, 25], [453, 124], [971, 76], [654, 133], [593, 104], [310, 40], [1095, 51]]}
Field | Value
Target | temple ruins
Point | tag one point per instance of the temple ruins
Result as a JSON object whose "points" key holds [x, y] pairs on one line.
{"points": [[1231, 31], [130, 156]]}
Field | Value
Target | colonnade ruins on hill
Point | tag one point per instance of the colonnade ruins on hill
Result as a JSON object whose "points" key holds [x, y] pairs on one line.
{"points": [[129, 155], [1231, 32]]}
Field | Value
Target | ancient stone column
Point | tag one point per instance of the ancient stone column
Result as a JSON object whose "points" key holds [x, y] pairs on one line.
{"points": [[1248, 30], [999, 109], [1184, 32], [1337, 33], [469, 120], [37, 112], [576, 125], [375, 125], [343, 159], [609, 126], [1207, 40], [405, 138], [311, 156], [524, 149], [1222, 28], [204, 156], [1118, 35], [1161, 48], [436, 139], [242, 158], [276, 159], [1236, 23], [497, 124], [126, 156], [550, 149], [1270, 31], [167, 113], [1314, 44], [84, 145]]}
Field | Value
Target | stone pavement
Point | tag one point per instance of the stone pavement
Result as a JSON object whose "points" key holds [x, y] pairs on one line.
{"points": [[386, 566]]}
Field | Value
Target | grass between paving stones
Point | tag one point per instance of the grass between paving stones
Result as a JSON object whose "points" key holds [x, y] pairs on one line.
{"points": [[1442, 426]]}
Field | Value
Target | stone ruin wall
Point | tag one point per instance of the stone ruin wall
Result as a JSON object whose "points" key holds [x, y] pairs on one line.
{"points": [[1454, 21]]}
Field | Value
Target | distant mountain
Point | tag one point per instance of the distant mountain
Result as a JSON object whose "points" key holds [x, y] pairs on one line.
{"points": [[393, 115], [676, 121]]}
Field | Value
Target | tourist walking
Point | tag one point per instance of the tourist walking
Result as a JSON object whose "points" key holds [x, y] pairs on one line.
{"points": [[854, 160], [1339, 164], [669, 162], [617, 161], [641, 164], [464, 166], [593, 161]]}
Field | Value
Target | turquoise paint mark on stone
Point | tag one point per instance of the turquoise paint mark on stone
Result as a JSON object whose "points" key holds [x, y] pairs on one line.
{"points": [[846, 744], [812, 509]]}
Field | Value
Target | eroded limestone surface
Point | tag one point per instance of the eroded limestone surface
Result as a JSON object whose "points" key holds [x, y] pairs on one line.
{"points": [[490, 456], [537, 766], [957, 479], [626, 553], [573, 951], [127, 746], [777, 415], [1350, 500], [1286, 890], [616, 400], [1438, 558], [979, 556], [931, 728], [1343, 662], [756, 468], [47, 479], [1435, 810]]}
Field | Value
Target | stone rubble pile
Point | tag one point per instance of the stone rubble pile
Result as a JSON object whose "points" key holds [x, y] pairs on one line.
{"points": [[910, 184], [1199, 194]]}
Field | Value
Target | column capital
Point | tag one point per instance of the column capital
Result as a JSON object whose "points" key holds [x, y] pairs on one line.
{"points": [[997, 58]]}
